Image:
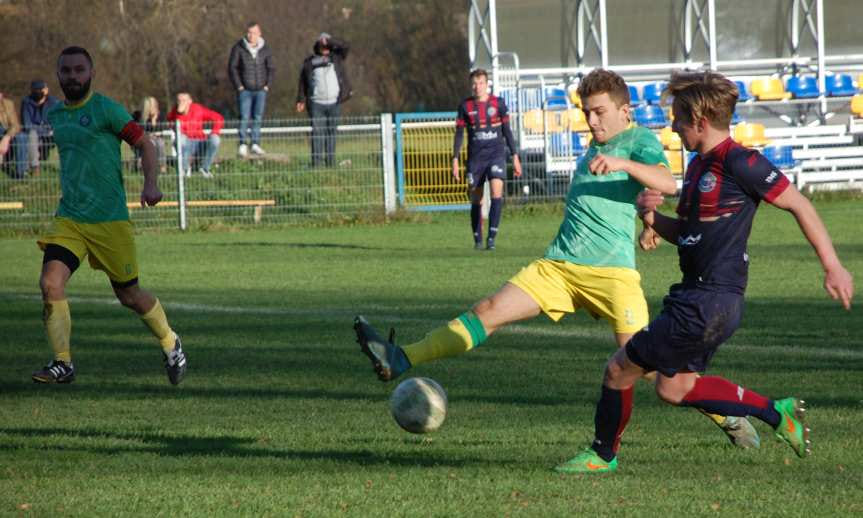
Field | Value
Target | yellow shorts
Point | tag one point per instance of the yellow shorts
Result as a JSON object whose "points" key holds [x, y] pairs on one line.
{"points": [[110, 246], [611, 292]]}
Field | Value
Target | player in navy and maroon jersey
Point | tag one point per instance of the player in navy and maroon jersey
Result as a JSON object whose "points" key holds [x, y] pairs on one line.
{"points": [[721, 192], [488, 136]]}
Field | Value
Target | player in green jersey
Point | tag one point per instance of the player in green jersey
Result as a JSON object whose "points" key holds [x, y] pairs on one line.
{"points": [[93, 220], [590, 264]]}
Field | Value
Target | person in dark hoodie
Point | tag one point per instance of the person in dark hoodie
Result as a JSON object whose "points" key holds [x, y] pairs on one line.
{"points": [[36, 136], [251, 70], [323, 86]]}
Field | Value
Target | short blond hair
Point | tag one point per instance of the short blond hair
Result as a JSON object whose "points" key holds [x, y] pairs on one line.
{"points": [[703, 95]]}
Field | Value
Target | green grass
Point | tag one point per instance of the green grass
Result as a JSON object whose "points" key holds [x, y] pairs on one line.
{"points": [[280, 414]]}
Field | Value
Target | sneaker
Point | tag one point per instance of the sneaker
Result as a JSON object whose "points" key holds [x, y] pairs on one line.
{"points": [[175, 363], [740, 432], [257, 150], [243, 151], [388, 360], [205, 173], [489, 244], [791, 429], [188, 173], [55, 372], [477, 245], [587, 461]]}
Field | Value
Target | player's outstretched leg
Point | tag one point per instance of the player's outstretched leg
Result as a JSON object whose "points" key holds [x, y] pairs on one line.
{"points": [[388, 360], [739, 430], [55, 372], [175, 362], [791, 428], [587, 461]]}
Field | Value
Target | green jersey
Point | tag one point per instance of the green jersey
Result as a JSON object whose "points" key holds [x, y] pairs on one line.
{"points": [[598, 226], [88, 136]]}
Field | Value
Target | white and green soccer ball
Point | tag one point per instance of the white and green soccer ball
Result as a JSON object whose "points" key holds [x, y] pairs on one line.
{"points": [[419, 405]]}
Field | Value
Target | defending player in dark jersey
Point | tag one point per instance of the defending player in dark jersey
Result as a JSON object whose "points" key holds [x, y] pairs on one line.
{"points": [[92, 220], [721, 192], [486, 119]]}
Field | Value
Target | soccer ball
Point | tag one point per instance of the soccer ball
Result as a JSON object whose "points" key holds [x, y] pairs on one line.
{"points": [[419, 405]]}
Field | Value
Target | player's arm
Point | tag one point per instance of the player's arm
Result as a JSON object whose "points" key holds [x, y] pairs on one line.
{"points": [[652, 176], [837, 281], [647, 202], [510, 140], [135, 136], [460, 123]]}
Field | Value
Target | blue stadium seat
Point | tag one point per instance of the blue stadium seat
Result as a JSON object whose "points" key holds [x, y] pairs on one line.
{"points": [[650, 116], [839, 85], [558, 144], [802, 87], [744, 93], [634, 98], [509, 97], [735, 119], [653, 92], [780, 156], [530, 99], [555, 97]]}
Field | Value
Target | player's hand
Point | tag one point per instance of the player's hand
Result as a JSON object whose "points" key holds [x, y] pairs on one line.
{"points": [[604, 164], [649, 239], [840, 285], [150, 195], [301, 106], [4, 146], [516, 166], [455, 174]]}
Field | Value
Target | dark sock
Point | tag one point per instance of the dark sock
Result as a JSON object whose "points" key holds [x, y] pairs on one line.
{"points": [[476, 222], [494, 217], [612, 414], [719, 396]]}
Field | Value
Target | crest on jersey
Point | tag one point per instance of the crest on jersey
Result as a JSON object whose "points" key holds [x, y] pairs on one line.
{"points": [[84, 120], [491, 110], [707, 182]]}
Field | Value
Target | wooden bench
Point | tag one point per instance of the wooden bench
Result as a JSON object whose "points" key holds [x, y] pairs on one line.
{"points": [[11, 205], [257, 204]]}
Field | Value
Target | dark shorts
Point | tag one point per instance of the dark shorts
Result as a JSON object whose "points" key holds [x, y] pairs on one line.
{"points": [[693, 324], [479, 171]]}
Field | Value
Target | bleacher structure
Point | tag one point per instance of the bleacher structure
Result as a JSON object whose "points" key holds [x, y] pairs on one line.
{"points": [[804, 112]]}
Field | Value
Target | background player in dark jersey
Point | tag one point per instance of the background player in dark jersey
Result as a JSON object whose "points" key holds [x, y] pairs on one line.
{"points": [[721, 191], [92, 219], [488, 136]]}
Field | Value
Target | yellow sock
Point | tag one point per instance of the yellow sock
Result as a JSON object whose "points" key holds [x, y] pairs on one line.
{"points": [[718, 419], [58, 326], [458, 336], [156, 320]]}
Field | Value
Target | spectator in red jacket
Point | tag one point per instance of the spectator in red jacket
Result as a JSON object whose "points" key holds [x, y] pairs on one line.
{"points": [[193, 140]]}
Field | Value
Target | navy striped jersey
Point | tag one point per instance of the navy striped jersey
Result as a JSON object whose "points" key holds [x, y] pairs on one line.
{"points": [[487, 126], [720, 194]]}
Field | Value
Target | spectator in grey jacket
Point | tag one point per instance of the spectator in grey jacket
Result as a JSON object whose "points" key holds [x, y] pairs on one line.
{"points": [[324, 85], [251, 70]]}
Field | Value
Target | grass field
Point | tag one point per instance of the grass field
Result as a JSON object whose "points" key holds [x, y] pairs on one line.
{"points": [[280, 414]]}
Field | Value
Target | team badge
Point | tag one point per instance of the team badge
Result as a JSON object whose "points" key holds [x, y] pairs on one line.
{"points": [[491, 111], [707, 183], [84, 120], [496, 169]]}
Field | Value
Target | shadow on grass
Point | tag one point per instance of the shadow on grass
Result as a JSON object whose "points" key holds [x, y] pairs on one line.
{"points": [[221, 446]]}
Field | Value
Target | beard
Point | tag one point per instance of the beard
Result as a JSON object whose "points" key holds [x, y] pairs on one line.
{"points": [[75, 91]]}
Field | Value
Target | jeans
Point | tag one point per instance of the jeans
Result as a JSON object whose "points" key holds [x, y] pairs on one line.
{"points": [[191, 148], [30, 147], [252, 104], [325, 118]]}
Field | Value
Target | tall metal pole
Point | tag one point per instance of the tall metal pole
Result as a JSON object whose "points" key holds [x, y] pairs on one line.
{"points": [[604, 36], [711, 20], [821, 64]]}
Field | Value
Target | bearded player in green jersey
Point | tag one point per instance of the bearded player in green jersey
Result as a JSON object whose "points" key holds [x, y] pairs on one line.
{"points": [[590, 264], [92, 219]]}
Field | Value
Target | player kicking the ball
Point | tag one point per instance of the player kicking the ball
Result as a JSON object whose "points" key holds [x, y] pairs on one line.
{"points": [[721, 192], [92, 219], [590, 264]]}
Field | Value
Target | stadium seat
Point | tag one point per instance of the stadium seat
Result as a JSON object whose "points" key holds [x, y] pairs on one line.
{"points": [[860, 82], [839, 85], [750, 135], [576, 120], [675, 160], [634, 98], [574, 98], [558, 144], [650, 116], [532, 121], [509, 97], [802, 87], [780, 156], [857, 105], [670, 140], [744, 94], [769, 89], [555, 97], [653, 92], [530, 98], [735, 119]]}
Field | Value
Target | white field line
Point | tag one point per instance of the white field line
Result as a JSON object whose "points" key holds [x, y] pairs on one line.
{"points": [[377, 312]]}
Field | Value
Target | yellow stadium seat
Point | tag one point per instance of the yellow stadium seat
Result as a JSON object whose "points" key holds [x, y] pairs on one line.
{"points": [[675, 159], [670, 140], [556, 120], [769, 89], [577, 120], [532, 121], [574, 98], [860, 82], [750, 135], [857, 105]]}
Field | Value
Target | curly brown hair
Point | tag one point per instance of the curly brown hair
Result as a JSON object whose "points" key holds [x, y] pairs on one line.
{"points": [[600, 81], [703, 95]]}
